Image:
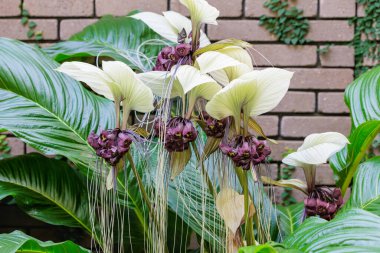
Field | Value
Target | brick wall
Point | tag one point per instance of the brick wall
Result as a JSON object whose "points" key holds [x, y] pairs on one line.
{"points": [[315, 100]]}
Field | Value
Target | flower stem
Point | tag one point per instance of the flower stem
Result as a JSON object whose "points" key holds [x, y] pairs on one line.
{"points": [[243, 179], [126, 113], [117, 109], [204, 172]]}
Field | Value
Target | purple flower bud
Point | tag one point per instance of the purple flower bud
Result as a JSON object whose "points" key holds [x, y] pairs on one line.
{"points": [[183, 50], [189, 132], [93, 140], [166, 51]]}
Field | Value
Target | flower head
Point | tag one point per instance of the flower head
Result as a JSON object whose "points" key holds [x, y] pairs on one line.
{"points": [[116, 82], [245, 151], [111, 145], [179, 133], [323, 202]]}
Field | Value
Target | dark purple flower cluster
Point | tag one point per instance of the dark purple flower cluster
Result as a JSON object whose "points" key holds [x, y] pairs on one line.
{"points": [[245, 151], [323, 202], [111, 145], [170, 56], [178, 134], [213, 127]]}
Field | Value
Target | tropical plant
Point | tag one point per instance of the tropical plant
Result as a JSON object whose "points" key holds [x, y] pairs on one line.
{"points": [[164, 144]]}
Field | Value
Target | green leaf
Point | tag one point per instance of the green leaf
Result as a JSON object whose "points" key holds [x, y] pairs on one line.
{"points": [[363, 97], [46, 109], [24, 20], [345, 162], [365, 192], [270, 247], [32, 24], [19, 242], [121, 38], [290, 218], [30, 34], [352, 228], [46, 189]]}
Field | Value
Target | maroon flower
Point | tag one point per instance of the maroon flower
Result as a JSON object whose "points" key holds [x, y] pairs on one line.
{"points": [[245, 151], [179, 133], [111, 145], [183, 50], [323, 202], [213, 127]]}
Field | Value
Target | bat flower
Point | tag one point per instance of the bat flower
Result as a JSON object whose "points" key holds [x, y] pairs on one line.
{"points": [[316, 150], [254, 93], [170, 26], [323, 202], [245, 151], [116, 81]]}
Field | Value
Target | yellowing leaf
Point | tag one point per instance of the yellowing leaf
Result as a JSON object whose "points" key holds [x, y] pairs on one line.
{"points": [[291, 183]]}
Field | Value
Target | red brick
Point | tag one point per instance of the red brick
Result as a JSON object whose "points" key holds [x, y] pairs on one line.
{"points": [[330, 30], [282, 147], [369, 62], [297, 102], [59, 8], [69, 27], [248, 30], [10, 8], [227, 8], [123, 7], [269, 124], [360, 11], [321, 78], [337, 8], [301, 126], [332, 102], [12, 28], [17, 146], [283, 55], [255, 8], [338, 56]]}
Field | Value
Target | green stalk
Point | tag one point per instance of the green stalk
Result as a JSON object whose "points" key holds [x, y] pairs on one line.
{"points": [[117, 109], [243, 179], [204, 172]]}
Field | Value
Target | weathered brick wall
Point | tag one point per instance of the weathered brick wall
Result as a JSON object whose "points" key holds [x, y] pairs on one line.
{"points": [[315, 100]]}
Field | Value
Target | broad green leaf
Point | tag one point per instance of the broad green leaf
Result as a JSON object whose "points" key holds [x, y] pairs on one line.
{"points": [[46, 189], [53, 113], [121, 38], [46, 109], [346, 162], [270, 247], [17, 241], [363, 97], [290, 218], [365, 192], [352, 228]]}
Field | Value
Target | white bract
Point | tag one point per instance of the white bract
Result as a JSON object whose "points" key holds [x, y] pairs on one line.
{"points": [[254, 93], [316, 149], [201, 12], [225, 65], [116, 82], [185, 80], [169, 25]]}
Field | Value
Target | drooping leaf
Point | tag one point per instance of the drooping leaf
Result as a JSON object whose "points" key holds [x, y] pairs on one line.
{"points": [[345, 162], [290, 218], [363, 97], [365, 192], [17, 241], [46, 189], [121, 38], [352, 228], [46, 109], [290, 183]]}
